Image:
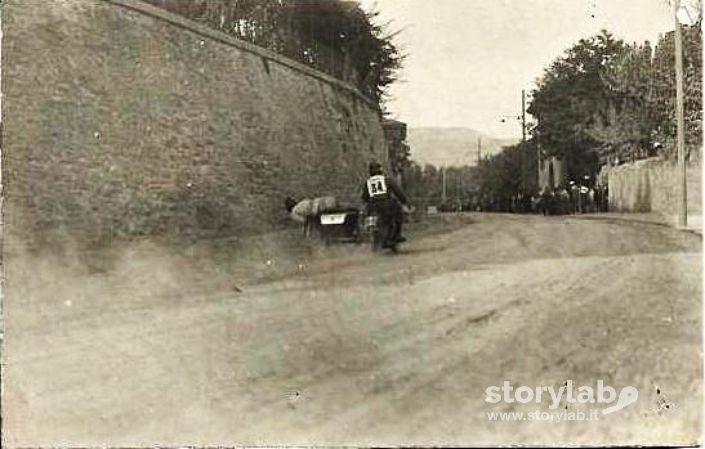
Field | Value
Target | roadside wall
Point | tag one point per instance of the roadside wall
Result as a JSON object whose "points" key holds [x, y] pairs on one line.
{"points": [[650, 185], [121, 119]]}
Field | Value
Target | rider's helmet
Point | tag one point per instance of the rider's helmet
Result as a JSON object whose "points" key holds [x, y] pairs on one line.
{"points": [[289, 203], [375, 168]]}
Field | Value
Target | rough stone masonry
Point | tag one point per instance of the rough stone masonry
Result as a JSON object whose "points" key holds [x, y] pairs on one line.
{"points": [[121, 119]]}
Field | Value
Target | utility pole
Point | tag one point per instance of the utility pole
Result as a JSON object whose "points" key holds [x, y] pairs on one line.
{"points": [[443, 201], [682, 198], [523, 115], [523, 136], [479, 150], [457, 193]]}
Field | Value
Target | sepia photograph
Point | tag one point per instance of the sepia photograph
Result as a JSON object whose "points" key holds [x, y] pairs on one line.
{"points": [[351, 223]]}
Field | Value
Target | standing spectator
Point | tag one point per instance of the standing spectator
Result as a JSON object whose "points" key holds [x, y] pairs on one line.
{"points": [[574, 197], [582, 195], [526, 203], [591, 200], [598, 198], [564, 200], [546, 201], [535, 203]]}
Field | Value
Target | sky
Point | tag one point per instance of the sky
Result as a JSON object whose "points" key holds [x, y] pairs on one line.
{"points": [[468, 60]]}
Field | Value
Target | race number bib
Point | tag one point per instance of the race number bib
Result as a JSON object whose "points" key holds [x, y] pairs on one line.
{"points": [[376, 186]]}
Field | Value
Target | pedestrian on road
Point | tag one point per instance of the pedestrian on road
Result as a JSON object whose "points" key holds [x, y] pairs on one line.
{"points": [[546, 201]]}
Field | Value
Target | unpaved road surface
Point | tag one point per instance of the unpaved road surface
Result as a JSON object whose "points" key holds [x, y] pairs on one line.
{"points": [[357, 349]]}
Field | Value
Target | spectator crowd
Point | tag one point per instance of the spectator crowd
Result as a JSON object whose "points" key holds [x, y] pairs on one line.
{"points": [[571, 198]]}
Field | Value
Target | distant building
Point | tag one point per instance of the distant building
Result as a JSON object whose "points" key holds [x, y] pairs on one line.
{"points": [[397, 148], [394, 130]]}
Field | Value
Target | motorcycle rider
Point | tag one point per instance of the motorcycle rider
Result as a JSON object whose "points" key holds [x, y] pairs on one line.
{"points": [[384, 197]]}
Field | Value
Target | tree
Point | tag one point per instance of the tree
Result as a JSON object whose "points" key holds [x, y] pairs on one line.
{"points": [[571, 98], [500, 176], [334, 36], [627, 128], [606, 97], [664, 89], [413, 181]]}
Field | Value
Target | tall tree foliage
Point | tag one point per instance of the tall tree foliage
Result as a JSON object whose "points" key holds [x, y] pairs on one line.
{"points": [[664, 89], [627, 127], [334, 36], [424, 185], [643, 94], [510, 172], [604, 97], [618, 100], [571, 98]]}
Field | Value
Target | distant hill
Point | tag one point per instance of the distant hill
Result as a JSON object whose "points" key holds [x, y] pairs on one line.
{"points": [[451, 146]]}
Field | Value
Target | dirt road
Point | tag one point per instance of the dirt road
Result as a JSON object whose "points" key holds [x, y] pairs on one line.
{"points": [[354, 349]]}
